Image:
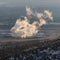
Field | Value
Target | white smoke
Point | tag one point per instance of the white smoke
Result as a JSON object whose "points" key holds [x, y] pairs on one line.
{"points": [[48, 14], [29, 11], [39, 15], [23, 28]]}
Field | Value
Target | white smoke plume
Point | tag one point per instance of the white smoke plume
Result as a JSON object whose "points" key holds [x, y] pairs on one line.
{"points": [[29, 11], [48, 14], [23, 28]]}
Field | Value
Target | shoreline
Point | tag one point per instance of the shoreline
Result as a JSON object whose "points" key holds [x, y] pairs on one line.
{"points": [[11, 42]]}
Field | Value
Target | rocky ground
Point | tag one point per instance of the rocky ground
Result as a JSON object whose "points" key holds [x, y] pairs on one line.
{"points": [[30, 50]]}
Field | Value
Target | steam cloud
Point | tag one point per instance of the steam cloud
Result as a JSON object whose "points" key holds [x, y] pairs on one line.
{"points": [[23, 28]]}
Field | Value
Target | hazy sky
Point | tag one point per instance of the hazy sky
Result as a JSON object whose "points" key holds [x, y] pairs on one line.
{"points": [[17, 3]]}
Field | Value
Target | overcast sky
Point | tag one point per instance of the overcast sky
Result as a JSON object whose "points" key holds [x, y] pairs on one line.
{"points": [[17, 3]]}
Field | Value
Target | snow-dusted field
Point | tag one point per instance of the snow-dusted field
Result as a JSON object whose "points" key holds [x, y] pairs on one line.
{"points": [[46, 54]]}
